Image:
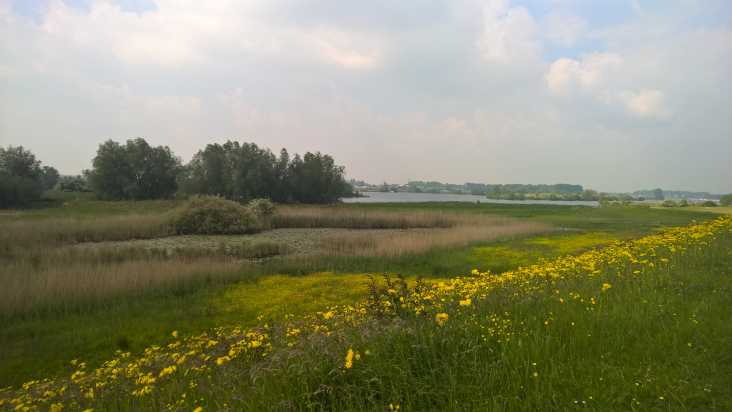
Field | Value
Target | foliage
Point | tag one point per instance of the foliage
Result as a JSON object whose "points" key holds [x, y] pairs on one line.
{"points": [[213, 215], [668, 203], [708, 203], [134, 171], [658, 194], [262, 207], [71, 185], [20, 177], [725, 200], [49, 177], [639, 326], [243, 172]]}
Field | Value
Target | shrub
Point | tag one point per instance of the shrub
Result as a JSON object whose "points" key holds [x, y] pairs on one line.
{"points": [[708, 203], [683, 203], [262, 207], [668, 203], [726, 200], [71, 185], [213, 215]]}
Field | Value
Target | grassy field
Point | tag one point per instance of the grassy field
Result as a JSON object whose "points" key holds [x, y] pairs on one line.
{"points": [[639, 325], [42, 345]]}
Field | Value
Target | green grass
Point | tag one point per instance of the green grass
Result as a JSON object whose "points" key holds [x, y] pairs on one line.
{"points": [[42, 347], [620, 335], [80, 206]]}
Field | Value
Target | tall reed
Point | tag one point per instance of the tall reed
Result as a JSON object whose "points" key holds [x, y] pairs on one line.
{"points": [[468, 229], [63, 231], [341, 217], [40, 287]]}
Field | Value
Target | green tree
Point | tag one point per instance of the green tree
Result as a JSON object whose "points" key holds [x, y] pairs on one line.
{"points": [[317, 179], [135, 171], [384, 187], [726, 200], [602, 198], [49, 177], [496, 192], [20, 177], [658, 194], [588, 195]]}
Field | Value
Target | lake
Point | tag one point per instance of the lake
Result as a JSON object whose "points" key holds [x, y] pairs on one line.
{"points": [[400, 197]]}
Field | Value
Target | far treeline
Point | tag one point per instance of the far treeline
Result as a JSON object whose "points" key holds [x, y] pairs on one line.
{"points": [[137, 171]]}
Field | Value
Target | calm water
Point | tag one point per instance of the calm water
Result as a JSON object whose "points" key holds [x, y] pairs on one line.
{"points": [[388, 197]]}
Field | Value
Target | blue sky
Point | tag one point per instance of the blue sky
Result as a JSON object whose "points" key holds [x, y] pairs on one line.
{"points": [[615, 95]]}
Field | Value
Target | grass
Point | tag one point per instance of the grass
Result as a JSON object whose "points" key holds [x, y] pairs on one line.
{"points": [[42, 345], [24, 234], [468, 230], [642, 325]]}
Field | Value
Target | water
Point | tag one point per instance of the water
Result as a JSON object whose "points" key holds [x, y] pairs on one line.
{"points": [[399, 197]]}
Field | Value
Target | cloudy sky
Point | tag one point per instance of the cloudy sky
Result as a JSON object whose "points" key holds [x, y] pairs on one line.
{"points": [[614, 95]]}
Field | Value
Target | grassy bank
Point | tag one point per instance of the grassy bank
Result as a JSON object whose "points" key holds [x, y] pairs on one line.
{"points": [[640, 325], [42, 345]]}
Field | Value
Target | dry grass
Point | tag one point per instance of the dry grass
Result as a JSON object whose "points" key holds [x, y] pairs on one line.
{"points": [[338, 217], [60, 283], [468, 228], [64, 231]]}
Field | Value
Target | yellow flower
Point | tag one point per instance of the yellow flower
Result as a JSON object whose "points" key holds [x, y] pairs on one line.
{"points": [[175, 334], [199, 409], [465, 302], [606, 286], [349, 359], [441, 318]]}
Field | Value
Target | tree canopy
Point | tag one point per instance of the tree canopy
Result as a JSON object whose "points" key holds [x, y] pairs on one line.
{"points": [[135, 171], [20, 177], [244, 172]]}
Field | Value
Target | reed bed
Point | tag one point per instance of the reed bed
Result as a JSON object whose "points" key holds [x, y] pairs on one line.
{"points": [[339, 217], [65, 231], [29, 288], [468, 229]]}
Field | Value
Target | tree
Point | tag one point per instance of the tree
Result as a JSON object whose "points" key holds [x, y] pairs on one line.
{"points": [[726, 200], [317, 179], [135, 171], [49, 177], [602, 199], [588, 195], [496, 192], [20, 177], [658, 194]]}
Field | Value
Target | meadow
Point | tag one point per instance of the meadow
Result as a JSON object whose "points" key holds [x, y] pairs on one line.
{"points": [[39, 343]]}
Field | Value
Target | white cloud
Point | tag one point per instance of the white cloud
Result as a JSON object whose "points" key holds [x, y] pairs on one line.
{"points": [[567, 76], [646, 103], [509, 33], [564, 29], [442, 91]]}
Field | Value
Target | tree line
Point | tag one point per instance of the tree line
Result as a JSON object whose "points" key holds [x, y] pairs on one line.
{"points": [[138, 171]]}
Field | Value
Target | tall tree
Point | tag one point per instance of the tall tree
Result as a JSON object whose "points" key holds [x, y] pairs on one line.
{"points": [[49, 177], [135, 171], [20, 177]]}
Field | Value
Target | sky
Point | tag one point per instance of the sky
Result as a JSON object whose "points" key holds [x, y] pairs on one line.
{"points": [[614, 95]]}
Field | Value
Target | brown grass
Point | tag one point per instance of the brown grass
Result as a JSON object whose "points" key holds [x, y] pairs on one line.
{"points": [[64, 231], [28, 287], [338, 217], [468, 228]]}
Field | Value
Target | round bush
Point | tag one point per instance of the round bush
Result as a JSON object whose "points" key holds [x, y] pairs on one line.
{"points": [[213, 215], [262, 207], [708, 203], [667, 203]]}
